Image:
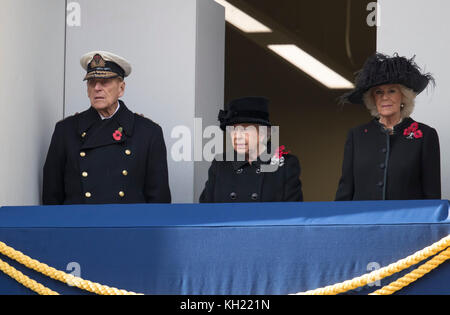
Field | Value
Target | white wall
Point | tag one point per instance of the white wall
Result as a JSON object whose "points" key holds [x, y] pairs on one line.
{"points": [[210, 76], [419, 27], [31, 93]]}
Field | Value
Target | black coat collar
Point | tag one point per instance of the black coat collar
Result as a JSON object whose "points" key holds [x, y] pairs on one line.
{"points": [[125, 118], [240, 164], [94, 132], [86, 120], [405, 123]]}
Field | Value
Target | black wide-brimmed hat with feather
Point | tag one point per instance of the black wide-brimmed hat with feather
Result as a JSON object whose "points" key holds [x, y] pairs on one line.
{"points": [[381, 69], [246, 110]]}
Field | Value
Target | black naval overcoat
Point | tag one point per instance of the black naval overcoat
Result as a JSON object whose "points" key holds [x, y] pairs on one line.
{"points": [[399, 166], [86, 165], [235, 181]]}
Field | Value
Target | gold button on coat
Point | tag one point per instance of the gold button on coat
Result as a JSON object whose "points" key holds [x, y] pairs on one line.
{"points": [[83, 135], [122, 194], [88, 195], [82, 154], [84, 174], [125, 172], [127, 152]]}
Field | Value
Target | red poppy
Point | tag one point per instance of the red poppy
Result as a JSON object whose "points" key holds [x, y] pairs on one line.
{"points": [[281, 152], [411, 129], [418, 134], [407, 132], [414, 126], [117, 135]]}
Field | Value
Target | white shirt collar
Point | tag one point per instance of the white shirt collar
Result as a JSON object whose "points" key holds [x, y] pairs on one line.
{"points": [[117, 109]]}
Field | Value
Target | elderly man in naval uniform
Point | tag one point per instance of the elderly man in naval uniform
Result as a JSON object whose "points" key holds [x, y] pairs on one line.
{"points": [[106, 154]]}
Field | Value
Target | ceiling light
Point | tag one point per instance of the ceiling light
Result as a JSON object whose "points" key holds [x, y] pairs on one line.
{"points": [[311, 66], [242, 20]]}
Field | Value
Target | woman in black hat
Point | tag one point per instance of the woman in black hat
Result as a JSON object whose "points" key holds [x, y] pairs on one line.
{"points": [[254, 178], [392, 157]]}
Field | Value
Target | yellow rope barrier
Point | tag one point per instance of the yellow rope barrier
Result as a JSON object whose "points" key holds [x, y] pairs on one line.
{"points": [[24, 280], [415, 274], [383, 272], [57, 274], [442, 247]]}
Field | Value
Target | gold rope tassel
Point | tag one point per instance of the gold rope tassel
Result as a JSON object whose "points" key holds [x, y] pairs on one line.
{"points": [[383, 272], [60, 275], [24, 280]]}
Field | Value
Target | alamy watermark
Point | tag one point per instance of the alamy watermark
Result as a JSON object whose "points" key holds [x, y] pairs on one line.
{"points": [[373, 266], [74, 269], [373, 19], [73, 18]]}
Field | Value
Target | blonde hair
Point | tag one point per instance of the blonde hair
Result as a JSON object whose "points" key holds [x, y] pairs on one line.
{"points": [[408, 100]]}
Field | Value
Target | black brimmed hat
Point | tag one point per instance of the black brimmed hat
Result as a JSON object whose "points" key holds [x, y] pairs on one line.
{"points": [[246, 110], [382, 69], [104, 65]]}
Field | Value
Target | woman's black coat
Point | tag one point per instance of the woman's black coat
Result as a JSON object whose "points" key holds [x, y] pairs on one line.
{"points": [[233, 181], [380, 166]]}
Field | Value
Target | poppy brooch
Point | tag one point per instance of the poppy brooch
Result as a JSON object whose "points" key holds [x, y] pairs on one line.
{"points": [[413, 131], [278, 157], [117, 135]]}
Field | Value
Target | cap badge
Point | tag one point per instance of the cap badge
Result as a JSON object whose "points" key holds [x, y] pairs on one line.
{"points": [[97, 62]]}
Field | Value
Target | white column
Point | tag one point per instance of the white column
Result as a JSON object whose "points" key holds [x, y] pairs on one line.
{"points": [[418, 27], [31, 93], [209, 78]]}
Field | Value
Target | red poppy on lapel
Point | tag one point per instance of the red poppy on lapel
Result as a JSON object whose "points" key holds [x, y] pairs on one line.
{"points": [[281, 151], [278, 157], [413, 131], [418, 134], [117, 135]]}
